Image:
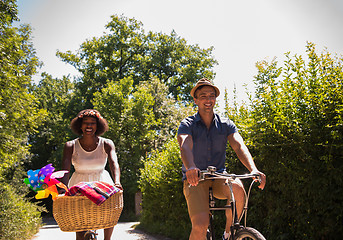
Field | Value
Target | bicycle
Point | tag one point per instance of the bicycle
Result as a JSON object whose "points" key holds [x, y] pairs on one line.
{"points": [[90, 235], [238, 231]]}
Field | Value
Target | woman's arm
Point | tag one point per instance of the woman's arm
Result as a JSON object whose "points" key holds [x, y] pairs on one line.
{"points": [[113, 161], [66, 160]]}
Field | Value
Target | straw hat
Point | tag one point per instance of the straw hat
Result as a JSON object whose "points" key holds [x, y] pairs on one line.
{"points": [[202, 82]]}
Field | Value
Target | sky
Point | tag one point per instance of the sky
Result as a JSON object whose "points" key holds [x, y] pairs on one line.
{"points": [[242, 32]]}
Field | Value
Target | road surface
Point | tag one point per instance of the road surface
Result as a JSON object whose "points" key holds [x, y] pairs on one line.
{"points": [[122, 231]]}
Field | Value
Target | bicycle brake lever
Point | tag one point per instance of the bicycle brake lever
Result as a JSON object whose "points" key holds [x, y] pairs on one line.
{"points": [[257, 178], [201, 175]]}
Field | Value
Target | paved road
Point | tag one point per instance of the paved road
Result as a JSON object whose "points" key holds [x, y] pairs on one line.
{"points": [[122, 231]]}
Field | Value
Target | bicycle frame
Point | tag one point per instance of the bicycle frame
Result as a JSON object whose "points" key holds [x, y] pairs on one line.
{"points": [[211, 174]]}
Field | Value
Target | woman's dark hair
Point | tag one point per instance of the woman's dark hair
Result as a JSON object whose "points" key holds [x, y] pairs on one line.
{"points": [[102, 125]]}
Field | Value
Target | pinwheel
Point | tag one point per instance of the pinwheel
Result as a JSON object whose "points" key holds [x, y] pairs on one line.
{"points": [[43, 181]]}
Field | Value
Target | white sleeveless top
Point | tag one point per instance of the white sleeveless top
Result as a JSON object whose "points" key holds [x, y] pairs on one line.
{"points": [[89, 166]]}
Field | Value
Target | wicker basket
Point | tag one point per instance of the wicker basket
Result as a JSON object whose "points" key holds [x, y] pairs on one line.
{"points": [[78, 213]]}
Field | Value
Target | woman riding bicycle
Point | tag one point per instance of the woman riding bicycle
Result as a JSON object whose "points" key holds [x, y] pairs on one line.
{"points": [[89, 154], [203, 139]]}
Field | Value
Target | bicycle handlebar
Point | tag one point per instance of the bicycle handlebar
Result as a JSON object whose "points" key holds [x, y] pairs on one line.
{"points": [[211, 173]]}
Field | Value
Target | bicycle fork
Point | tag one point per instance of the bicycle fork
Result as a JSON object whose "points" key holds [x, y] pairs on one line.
{"points": [[235, 220], [235, 225], [212, 207]]}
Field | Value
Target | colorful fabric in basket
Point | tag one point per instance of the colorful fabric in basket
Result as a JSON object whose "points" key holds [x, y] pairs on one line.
{"points": [[97, 192]]}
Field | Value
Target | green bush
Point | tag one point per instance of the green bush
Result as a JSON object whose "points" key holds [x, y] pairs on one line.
{"points": [[19, 219], [164, 206], [297, 136]]}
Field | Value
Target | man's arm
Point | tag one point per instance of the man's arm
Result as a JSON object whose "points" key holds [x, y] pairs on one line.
{"points": [[186, 146], [243, 154]]}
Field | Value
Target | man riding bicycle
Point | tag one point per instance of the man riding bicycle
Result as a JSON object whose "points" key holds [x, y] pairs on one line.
{"points": [[203, 139]]}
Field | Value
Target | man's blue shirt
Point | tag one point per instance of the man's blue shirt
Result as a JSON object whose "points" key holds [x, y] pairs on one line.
{"points": [[209, 145]]}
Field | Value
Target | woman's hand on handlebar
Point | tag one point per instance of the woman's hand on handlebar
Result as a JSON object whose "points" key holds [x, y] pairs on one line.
{"points": [[61, 191], [263, 178], [118, 185], [192, 175]]}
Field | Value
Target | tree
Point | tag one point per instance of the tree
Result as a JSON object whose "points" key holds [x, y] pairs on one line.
{"points": [[9, 11], [54, 96], [177, 64], [19, 116], [127, 51]]}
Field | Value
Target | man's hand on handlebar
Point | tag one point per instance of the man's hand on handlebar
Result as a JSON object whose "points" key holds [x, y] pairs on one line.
{"points": [[192, 175], [263, 178]]}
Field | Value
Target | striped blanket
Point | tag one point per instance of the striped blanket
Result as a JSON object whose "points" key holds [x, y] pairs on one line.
{"points": [[97, 192]]}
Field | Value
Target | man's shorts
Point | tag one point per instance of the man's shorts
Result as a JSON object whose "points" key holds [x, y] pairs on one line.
{"points": [[197, 197]]}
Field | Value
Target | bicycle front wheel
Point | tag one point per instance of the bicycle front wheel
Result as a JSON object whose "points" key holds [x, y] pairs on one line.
{"points": [[248, 233], [90, 235]]}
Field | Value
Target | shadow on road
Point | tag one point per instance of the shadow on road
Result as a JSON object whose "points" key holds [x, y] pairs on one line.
{"points": [[123, 230], [49, 223]]}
